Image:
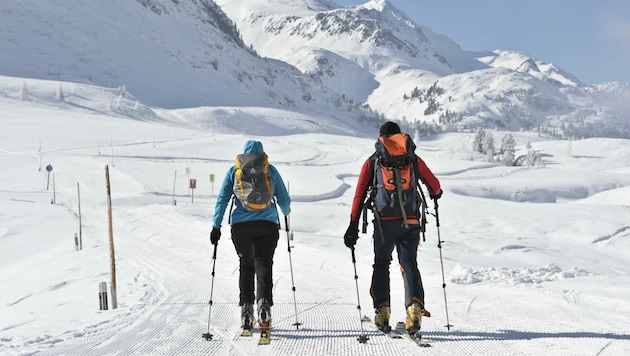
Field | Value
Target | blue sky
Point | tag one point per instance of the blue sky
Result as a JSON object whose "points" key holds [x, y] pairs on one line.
{"points": [[588, 38]]}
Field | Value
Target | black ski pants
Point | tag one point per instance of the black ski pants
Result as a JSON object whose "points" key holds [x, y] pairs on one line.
{"points": [[406, 241], [255, 243]]}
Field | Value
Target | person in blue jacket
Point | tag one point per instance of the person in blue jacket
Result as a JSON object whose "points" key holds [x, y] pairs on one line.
{"points": [[255, 236]]}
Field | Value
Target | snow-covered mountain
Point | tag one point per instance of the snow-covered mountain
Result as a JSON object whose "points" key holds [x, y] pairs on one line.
{"points": [[535, 261], [164, 53], [405, 70], [357, 65]]}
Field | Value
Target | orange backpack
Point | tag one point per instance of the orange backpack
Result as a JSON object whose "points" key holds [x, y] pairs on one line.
{"points": [[395, 183]]}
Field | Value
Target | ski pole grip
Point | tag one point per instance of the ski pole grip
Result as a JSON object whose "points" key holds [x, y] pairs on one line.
{"points": [[437, 215]]}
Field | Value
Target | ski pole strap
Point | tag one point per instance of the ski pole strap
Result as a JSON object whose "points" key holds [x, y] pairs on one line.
{"points": [[437, 215], [230, 212], [377, 222], [286, 222], [278, 223], [365, 223]]}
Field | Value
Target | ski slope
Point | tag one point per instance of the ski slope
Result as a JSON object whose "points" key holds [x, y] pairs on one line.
{"points": [[535, 259]]}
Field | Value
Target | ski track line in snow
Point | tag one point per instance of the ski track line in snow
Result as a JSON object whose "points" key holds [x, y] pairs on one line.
{"points": [[173, 325], [173, 313]]}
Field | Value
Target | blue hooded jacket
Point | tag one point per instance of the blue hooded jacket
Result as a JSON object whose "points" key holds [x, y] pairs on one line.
{"points": [[240, 214]]}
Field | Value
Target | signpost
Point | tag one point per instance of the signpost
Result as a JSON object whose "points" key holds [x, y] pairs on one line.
{"points": [[48, 169], [192, 186]]}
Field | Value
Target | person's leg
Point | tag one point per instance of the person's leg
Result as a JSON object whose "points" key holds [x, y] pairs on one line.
{"points": [[383, 248], [245, 249], [265, 242], [407, 248]]}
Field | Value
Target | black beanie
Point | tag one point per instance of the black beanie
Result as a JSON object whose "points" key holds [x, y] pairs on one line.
{"points": [[389, 128]]}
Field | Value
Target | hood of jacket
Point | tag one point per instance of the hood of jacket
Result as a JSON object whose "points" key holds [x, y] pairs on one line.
{"points": [[253, 147]]}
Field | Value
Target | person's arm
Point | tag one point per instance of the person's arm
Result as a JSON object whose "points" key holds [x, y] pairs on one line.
{"points": [[361, 190], [280, 191], [223, 198], [428, 178]]}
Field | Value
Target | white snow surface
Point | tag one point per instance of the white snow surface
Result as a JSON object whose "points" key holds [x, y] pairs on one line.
{"points": [[535, 260]]}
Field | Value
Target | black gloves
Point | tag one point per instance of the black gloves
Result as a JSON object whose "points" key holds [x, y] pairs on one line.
{"points": [[436, 196], [352, 234], [215, 235]]}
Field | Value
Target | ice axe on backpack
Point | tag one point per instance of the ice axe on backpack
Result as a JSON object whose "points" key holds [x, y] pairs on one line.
{"points": [[369, 204]]}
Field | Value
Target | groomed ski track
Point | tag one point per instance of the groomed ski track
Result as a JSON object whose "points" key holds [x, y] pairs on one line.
{"points": [[172, 314], [164, 261]]}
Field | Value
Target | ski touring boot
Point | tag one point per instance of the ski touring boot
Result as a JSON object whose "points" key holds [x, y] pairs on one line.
{"points": [[415, 311], [381, 318], [247, 319], [264, 321]]}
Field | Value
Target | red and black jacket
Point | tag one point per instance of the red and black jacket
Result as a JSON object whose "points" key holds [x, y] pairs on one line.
{"points": [[366, 178]]}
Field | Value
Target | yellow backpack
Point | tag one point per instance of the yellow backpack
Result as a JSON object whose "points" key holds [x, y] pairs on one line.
{"points": [[252, 185]]}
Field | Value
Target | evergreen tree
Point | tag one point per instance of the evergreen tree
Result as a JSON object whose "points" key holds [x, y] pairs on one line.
{"points": [[488, 145], [533, 158], [508, 147], [478, 140]]}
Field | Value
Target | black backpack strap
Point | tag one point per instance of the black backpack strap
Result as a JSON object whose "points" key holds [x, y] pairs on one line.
{"points": [[398, 181], [230, 212], [422, 203], [369, 194]]}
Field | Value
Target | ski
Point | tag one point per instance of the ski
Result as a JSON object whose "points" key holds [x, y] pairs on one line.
{"points": [[392, 333], [415, 337], [264, 337], [246, 332], [399, 332]]}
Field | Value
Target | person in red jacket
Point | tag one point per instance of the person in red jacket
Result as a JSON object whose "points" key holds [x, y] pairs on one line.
{"points": [[393, 229]]}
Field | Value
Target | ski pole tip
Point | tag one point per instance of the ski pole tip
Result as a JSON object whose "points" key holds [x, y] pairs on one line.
{"points": [[207, 336]]}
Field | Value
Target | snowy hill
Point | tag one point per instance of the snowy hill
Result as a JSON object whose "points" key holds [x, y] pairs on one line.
{"points": [[355, 65], [165, 54], [505, 89], [535, 260]]}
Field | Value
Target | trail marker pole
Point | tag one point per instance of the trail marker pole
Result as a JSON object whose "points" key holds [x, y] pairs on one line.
{"points": [[174, 180], [49, 169], [111, 241], [102, 295], [80, 226]]}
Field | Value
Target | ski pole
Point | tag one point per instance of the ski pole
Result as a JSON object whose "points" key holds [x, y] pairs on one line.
{"points": [[362, 338], [289, 238], [437, 221], [207, 334]]}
